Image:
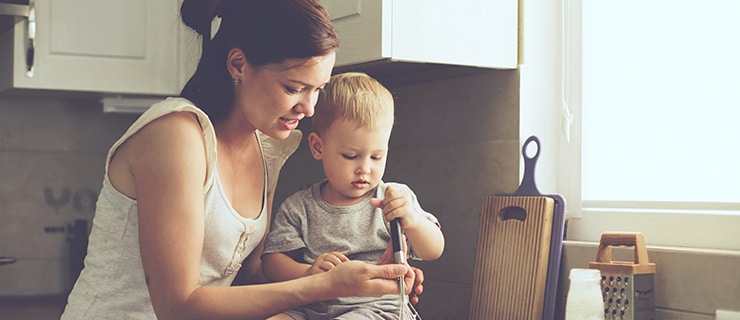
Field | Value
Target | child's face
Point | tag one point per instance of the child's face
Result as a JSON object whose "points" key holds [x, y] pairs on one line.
{"points": [[353, 159]]}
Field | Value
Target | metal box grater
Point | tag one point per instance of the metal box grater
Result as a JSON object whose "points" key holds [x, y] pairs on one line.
{"points": [[627, 287]]}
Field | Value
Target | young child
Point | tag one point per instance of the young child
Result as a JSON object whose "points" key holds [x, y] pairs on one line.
{"points": [[346, 217]]}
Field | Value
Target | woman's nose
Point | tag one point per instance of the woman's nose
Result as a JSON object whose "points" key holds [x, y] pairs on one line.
{"points": [[307, 104]]}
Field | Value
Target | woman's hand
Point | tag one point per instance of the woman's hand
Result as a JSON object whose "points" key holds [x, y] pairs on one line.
{"points": [[417, 287], [413, 279], [362, 279]]}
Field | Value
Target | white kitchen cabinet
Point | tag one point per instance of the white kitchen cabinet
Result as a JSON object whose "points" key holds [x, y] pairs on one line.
{"points": [[108, 46], [478, 33]]}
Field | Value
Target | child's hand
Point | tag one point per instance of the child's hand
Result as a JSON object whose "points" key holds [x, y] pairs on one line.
{"points": [[397, 203], [326, 262], [424, 235]]}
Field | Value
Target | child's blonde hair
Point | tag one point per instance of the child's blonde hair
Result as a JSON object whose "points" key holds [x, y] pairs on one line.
{"points": [[356, 97]]}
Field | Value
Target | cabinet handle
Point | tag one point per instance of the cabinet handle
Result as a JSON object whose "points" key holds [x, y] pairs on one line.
{"points": [[31, 46], [6, 260]]}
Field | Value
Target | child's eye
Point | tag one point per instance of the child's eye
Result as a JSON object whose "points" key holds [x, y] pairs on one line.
{"points": [[377, 157], [349, 156]]}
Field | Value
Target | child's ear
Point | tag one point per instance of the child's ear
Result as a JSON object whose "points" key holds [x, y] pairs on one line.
{"points": [[316, 145]]}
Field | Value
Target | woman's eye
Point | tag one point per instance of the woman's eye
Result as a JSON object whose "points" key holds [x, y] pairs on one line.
{"points": [[349, 156], [293, 90]]}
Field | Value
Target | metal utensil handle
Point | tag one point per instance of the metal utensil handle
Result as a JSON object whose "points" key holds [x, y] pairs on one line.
{"points": [[396, 241]]}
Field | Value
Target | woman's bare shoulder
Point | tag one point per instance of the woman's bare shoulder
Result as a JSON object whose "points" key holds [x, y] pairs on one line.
{"points": [[164, 142]]}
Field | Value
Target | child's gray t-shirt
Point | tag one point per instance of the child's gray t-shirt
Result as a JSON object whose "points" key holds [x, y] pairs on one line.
{"points": [[305, 221]]}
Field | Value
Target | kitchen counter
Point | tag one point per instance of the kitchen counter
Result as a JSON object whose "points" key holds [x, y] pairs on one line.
{"points": [[690, 283]]}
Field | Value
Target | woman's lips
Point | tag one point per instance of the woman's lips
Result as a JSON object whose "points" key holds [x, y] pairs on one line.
{"points": [[289, 124]]}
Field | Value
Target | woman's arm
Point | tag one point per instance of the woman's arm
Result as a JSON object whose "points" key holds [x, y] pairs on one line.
{"points": [[168, 163]]}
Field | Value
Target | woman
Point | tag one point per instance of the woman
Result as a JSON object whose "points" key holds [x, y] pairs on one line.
{"points": [[187, 193]]}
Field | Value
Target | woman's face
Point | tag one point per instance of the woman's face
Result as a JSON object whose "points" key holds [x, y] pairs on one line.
{"points": [[275, 97]]}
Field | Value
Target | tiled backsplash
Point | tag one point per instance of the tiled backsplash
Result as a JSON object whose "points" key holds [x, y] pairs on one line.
{"points": [[52, 153]]}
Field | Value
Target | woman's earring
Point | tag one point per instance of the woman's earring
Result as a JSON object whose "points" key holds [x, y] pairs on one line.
{"points": [[237, 81]]}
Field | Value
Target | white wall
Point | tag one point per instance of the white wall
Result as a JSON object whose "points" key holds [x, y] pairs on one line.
{"points": [[540, 86]]}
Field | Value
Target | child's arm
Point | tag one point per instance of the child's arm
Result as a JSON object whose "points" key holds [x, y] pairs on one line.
{"points": [[423, 235], [281, 266]]}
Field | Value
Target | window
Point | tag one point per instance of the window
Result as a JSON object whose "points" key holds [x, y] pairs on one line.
{"points": [[654, 87]]}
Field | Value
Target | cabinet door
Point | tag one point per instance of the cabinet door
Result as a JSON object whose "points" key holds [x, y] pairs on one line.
{"points": [[101, 46], [360, 30], [481, 33]]}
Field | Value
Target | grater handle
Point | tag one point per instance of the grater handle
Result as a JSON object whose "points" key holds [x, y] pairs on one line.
{"points": [[629, 239]]}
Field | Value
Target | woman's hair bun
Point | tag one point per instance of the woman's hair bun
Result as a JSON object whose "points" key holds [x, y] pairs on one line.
{"points": [[198, 14]]}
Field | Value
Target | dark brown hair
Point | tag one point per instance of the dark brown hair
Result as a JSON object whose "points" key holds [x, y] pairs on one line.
{"points": [[267, 31]]}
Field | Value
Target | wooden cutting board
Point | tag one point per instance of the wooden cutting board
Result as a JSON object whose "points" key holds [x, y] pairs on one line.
{"points": [[512, 258]]}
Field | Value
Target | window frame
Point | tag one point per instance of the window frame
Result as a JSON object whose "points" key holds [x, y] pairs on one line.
{"points": [[706, 226]]}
